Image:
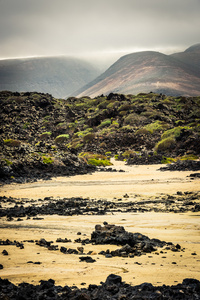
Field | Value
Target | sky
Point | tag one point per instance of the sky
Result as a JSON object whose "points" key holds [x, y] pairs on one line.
{"points": [[96, 28]]}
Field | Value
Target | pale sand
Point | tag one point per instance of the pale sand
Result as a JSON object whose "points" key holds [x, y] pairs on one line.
{"points": [[183, 229], [145, 180]]}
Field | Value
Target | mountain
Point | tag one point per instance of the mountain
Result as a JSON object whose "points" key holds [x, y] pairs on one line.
{"points": [[191, 57], [59, 76], [177, 74]]}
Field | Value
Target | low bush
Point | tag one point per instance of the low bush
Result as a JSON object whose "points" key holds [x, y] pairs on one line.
{"points": [[174, 132], [88, 137], [134, 119], [47, 160], [167, 160], [45, 135], [8, 162], [12, 143], [156, 126], [60, 139], [105, 123], [95, 159], [165, 144], [129, 153], [99, 162]]}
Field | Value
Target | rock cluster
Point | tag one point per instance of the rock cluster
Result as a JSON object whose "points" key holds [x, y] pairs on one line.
{"points": [[182, 165], [133, 244], [181, 202], [112, 288]]}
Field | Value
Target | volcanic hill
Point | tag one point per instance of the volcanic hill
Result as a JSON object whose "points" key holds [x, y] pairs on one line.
{"points": [[59, 76], [177, 74]]}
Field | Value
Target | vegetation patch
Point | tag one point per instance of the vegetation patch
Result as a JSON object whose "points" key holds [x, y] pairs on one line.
{"points": [[105, 123], [8, 162], [165, 144], [167, 160], [60, 139], [47, 160], [45, 135], [156, 126], [174, 132], [12, 143], [95, 159]]}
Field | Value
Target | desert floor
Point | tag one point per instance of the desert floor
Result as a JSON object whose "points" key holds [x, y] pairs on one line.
{"points": [[66, 269]]}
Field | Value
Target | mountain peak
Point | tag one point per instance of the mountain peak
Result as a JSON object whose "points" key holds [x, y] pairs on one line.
{"points": [[193, 48], [176, 74]]}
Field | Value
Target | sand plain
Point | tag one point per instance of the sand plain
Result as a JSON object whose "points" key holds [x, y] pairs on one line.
{"points": [[66, 269]]}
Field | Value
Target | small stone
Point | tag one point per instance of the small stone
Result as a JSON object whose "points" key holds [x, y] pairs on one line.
{"points": [[4, 252], [108, 256], [80, 249]]}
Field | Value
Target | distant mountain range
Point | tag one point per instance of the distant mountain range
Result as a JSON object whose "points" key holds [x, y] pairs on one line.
{"points": [[59, 76], [176, 74]]}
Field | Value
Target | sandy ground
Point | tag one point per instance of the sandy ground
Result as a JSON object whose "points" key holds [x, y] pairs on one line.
{"points": [[157, 268], [144, 180]]}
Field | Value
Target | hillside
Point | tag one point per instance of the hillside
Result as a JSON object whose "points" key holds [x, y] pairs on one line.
{"points": [[59, 76], [177, 74], [190, 57], [41, 136]]}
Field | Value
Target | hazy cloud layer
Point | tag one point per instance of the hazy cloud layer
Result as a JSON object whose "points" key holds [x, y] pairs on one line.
{"points": [[76, 27]]}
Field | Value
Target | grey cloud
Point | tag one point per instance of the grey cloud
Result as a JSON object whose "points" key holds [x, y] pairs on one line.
{"points": [[48, 27]]}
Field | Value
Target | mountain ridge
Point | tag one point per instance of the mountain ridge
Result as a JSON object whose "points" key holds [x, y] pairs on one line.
{"points": [[59, 76], [144, 71]]}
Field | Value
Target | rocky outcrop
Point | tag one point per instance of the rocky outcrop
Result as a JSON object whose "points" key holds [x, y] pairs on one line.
{"points": [[41, 136], [187, 165], [112, 288]]}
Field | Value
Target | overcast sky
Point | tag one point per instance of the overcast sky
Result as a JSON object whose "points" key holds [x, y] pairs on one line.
{"points": [[95, 27]]}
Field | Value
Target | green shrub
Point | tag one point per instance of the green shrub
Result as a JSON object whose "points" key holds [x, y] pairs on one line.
{"points": [[125, 106], [134, 119], [8, 162], [108, 153], [75, 145], [113, 105], [99, 162], [167, 160], [156, 126], [174, 132], [165, 144], [105, 123], [143, 131], [88, 137], [95, 159], [83, 133], [60, 139], [47, 160], [129, 153], [103, 104], [25, 125], [103, 145], [12, 143], [45, 135], [189, 157]]}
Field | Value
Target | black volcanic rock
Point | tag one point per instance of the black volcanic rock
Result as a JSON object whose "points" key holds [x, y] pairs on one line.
{"points": [[41, 136], [112, 288]]}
